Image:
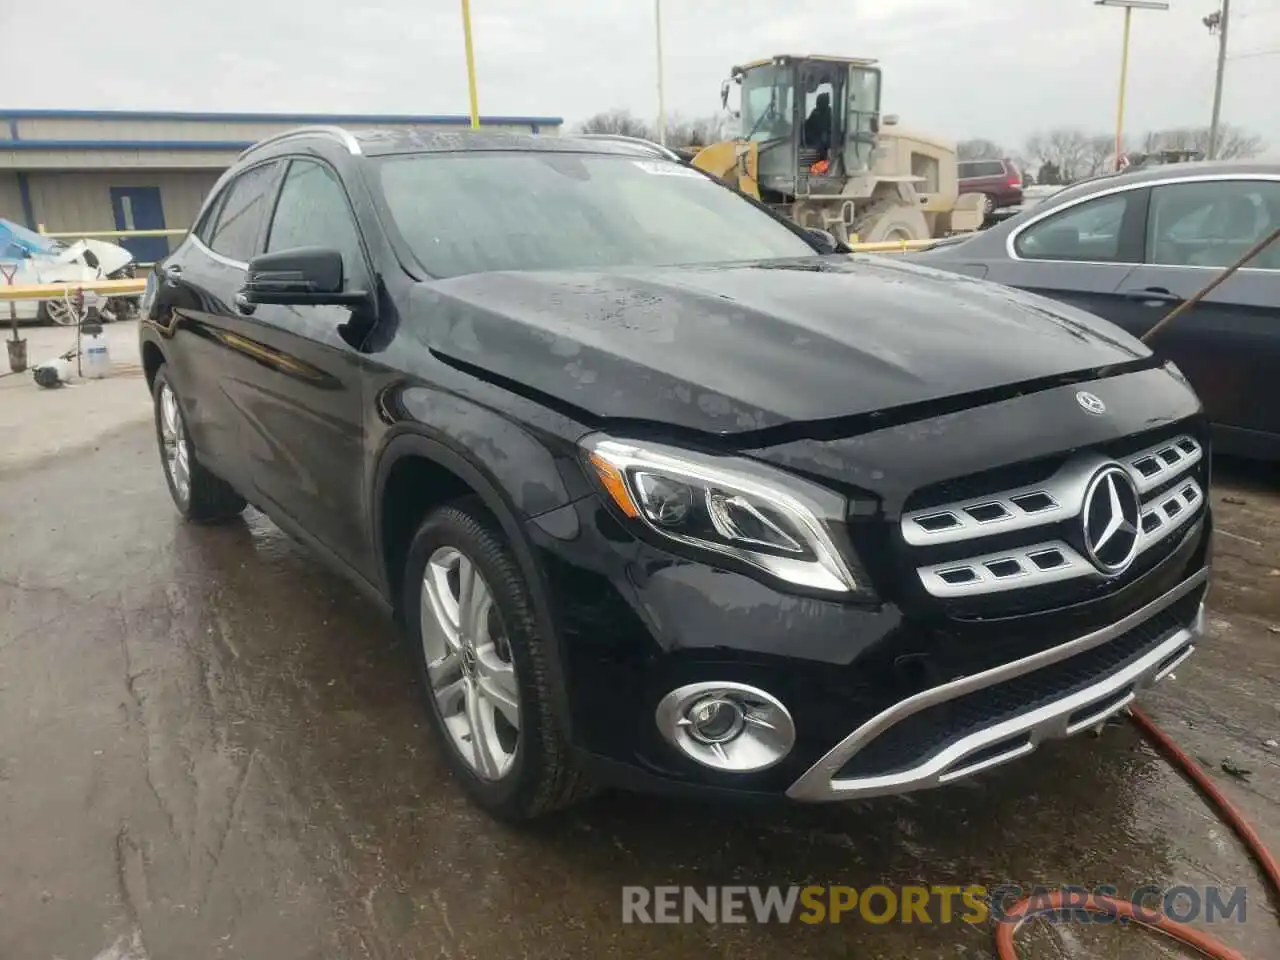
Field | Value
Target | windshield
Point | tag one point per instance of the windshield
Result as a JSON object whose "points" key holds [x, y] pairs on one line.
{"points": [[475, 212], [768, 96]]}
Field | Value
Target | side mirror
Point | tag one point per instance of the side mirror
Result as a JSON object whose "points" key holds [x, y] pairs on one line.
{"points": [[823, 239], [310, 276], [724, 95]]}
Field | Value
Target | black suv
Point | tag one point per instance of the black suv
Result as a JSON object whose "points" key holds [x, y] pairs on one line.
{"points": [[666, 492]]}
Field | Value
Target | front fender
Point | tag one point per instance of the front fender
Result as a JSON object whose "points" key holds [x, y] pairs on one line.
{"points": [[443, 453]]}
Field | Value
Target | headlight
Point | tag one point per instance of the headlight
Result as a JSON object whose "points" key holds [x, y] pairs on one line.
{"points": [[740, 509]]}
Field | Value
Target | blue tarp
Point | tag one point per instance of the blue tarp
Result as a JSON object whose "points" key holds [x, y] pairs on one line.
{"points": [[19, 243]]}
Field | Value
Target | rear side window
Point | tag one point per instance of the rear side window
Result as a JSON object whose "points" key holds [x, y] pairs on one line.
{"points": [[1212, 224], [981, 168], [234, 232], [1090, 231], [313, 212]]}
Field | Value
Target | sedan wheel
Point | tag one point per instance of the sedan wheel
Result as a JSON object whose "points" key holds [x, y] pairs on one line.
{"points": [[173, 443], [60, 311], [469, 665]]}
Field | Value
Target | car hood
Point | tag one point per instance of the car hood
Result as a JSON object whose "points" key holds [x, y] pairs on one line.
{"points": [[747, 347]]}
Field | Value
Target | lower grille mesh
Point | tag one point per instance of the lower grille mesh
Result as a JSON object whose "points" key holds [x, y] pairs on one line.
{"points": [[915, 739]]}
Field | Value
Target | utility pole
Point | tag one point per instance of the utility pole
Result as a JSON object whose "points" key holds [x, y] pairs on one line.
{"points": [[1217, 23], [662, 104]]}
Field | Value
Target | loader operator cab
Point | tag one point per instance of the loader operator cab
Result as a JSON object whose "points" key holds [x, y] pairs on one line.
{"points": [[814, 121]]}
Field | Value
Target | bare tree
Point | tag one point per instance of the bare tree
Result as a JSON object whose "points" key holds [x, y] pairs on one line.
{"points": [[698, 131], [1234, 143], [1072, 154], [620, 122], [979, 149], [1098, 156]]}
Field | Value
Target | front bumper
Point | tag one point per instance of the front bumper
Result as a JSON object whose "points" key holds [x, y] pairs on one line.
{"points": [[1068, 706], [883, 700]]}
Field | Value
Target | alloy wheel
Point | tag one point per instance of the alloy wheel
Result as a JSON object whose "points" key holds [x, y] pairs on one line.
{"points": [[469, 665], [61, 311], [173, 443]]}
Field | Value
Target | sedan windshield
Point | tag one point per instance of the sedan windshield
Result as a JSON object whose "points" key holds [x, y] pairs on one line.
{"points": [[476, 212]]}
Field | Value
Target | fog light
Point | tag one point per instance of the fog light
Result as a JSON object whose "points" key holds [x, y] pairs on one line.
{"points": [[715, 720], [726, 726]]}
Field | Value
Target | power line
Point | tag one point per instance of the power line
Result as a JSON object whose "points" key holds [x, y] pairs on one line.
{"points": [[1255, 53]]}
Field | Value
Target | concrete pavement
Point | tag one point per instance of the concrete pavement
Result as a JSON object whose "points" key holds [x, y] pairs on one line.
{"points": [[211, 747]]}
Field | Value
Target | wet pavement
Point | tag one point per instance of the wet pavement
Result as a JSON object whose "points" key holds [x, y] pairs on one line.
{"points": [[210, 746]]}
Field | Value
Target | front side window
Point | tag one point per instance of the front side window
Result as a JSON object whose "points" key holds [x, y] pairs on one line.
{"points": [[768, 98], [313, 212], [1213, 223], [234, 233], [475, 212], [1089, 231]]}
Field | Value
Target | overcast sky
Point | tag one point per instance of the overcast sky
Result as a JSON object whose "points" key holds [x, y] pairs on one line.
{"points": [[1000, 69]]}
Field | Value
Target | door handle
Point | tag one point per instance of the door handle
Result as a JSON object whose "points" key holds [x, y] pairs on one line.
{"points": [[173, 272], [243, 304], [1152, 296]]}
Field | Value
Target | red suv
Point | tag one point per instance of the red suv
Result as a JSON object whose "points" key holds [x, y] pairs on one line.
{"points": [[999, 181]]}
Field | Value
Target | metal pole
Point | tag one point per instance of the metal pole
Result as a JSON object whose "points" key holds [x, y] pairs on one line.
{"points": [[662, 103], [1217, 86], [471, 64], [1124, 79]]}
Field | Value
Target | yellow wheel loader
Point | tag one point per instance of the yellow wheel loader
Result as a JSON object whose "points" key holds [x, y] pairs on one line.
{"points": [[814, 145]]}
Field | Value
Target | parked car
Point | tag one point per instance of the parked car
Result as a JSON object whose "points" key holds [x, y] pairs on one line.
{"points": [[35, 258], [999, 181], [665, 494], [1132, 247]]}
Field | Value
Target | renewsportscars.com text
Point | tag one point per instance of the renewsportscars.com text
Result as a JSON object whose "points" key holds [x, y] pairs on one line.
{"points": [[943, 904]]}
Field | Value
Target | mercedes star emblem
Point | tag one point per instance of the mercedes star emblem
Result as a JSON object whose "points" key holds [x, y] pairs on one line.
{"points": [[1111, 520], [1091, 402]]}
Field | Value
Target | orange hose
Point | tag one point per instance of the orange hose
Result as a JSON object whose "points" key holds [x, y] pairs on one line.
{"points": [[1020, 913]]}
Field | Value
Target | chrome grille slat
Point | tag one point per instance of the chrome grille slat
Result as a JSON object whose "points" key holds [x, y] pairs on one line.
{"points": [[1059, 498], [984, 580], [1065, 490], [1187, 452]]}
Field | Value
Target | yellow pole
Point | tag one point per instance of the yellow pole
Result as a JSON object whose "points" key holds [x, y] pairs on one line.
{"points": [[1124, 77], [662, 103], [471, 64]]}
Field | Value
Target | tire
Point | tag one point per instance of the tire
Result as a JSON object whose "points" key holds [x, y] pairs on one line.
{"points": [[199, 496], [63, 314], [894, 223], [514, 778]]}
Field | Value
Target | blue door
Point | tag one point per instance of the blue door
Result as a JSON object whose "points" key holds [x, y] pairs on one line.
{"points": [[138, 208]]}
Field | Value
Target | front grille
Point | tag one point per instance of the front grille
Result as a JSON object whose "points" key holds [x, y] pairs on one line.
{"points": [[1020, 528], [913, 740]]}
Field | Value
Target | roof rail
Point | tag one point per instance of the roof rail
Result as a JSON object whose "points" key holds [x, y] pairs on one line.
{"points": [[344, 137], [656, 149]]}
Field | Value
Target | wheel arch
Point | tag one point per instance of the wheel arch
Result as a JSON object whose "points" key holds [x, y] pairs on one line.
{"points": [[152, 360], [456, 475]]}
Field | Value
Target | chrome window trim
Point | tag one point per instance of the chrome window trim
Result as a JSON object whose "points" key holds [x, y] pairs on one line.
{"points": [[1012, 239], [819, 782], [215, 255]]}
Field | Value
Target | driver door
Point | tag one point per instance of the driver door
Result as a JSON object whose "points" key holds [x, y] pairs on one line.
{"points": [[302, 402]]}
